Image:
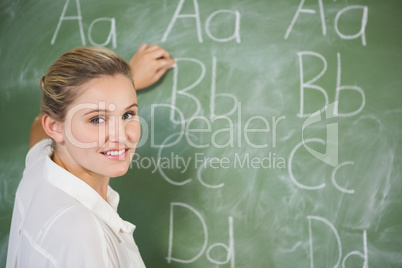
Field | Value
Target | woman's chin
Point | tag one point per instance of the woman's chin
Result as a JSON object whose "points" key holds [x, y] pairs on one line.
{"points": [[118, 172]]}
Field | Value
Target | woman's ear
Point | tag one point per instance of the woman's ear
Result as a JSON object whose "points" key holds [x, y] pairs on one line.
{"points": [[53, 128]]}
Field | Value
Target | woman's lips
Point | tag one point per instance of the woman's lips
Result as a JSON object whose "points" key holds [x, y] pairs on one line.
{"points": [[115, 154]]}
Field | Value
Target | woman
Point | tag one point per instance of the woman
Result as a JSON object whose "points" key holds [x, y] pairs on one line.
{"points": [[65, 212]]}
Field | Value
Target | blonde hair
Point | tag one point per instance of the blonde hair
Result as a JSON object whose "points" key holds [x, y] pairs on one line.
{"points": [[60, 85]]}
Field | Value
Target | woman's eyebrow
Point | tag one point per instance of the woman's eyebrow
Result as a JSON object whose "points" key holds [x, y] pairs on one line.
{"points": [[97, 111], [132, 105], [104, 111]]}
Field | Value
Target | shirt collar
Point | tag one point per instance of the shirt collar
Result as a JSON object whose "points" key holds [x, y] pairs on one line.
{"points": [[87, 196]]}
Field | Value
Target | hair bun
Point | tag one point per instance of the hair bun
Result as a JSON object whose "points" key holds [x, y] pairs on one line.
{"points": [[42, 83]]}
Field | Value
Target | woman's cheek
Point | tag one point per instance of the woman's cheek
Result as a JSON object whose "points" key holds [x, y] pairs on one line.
{"points": [[133, 131], [88, 133]]}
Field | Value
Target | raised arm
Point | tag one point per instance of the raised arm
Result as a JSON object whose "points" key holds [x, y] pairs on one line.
{"points": [[148, 64]]}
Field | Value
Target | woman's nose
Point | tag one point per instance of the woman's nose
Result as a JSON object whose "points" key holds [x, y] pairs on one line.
{"points": [[117, 133]]}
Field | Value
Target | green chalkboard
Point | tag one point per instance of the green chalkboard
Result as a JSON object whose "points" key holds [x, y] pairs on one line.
{"points": [[275, 142]]}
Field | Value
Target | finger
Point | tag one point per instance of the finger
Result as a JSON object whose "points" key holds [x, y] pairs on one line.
{"points": [[151, 48], [164, 64], [160, 73], [143, 47], [170, 63], [160, 53], [163, 68]]}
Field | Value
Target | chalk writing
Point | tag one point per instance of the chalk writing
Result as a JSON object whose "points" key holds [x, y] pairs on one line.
{"points": [[236, 32], [229, 248], [331, 151], [304, 142], [196, 15], [222, 95], [112, 33], [111, 36], [185, 92], [160, 169], [63, 18], [329, 225], [205, 162], [177, 15], [361, 33], [290, 167], [300, 9], [333, 178], [338, 88]]}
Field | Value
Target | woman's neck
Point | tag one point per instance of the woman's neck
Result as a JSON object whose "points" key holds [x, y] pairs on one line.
{"points": [[95, 181]]}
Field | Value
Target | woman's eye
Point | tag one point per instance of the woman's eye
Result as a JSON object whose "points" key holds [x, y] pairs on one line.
{"points": [[128, 115], [97, 120]]}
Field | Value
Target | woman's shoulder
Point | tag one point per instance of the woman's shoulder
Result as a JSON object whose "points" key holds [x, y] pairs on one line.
{"points": [[55, 209], [73, 221], [63, 220], [71, 236]]}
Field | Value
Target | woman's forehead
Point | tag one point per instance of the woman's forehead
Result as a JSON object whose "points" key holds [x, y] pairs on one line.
{"points": [[117, 90]]}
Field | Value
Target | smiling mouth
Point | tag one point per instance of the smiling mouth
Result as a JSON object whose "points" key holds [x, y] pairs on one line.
{"points": [[114, 152]]}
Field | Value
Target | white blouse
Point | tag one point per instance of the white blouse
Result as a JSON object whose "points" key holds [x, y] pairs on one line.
{"points": [[60, 221]]}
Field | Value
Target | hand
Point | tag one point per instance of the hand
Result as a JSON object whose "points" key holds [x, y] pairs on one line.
{"points": [[148, 65]]}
